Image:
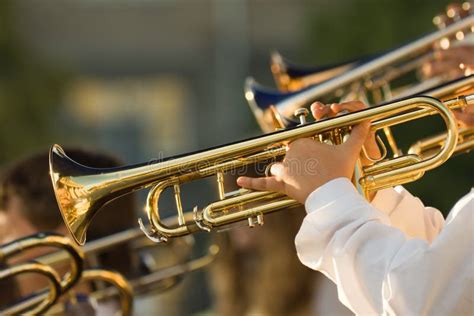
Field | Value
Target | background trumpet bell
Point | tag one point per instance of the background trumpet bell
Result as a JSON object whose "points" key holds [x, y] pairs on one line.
{"points": [[289, 76]]}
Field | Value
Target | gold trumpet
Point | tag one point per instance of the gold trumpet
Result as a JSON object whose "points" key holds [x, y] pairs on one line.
{"points": [[158, 279], [81, 191], [153, 280], [42, 300], [46, 301], [373, 79], [127, 290], [290, 76]]}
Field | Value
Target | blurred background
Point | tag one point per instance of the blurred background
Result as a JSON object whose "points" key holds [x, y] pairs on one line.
{"points": [[150, 78]]}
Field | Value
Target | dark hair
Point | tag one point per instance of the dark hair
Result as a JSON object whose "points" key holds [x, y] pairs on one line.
{"points": [[29, 180]]}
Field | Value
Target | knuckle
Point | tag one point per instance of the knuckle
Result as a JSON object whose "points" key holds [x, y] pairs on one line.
{"points": [[358, 105]]}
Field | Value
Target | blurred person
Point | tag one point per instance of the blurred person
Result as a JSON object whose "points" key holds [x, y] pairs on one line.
{"points": [[391, 256], [28, 206]]}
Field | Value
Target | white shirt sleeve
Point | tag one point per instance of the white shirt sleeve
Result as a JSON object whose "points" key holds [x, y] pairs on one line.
{"points": [[408, 213], [377, 269]]}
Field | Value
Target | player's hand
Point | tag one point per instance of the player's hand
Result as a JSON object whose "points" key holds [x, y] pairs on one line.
{"points": [[320, 110], [309, 164], [453, 62]]}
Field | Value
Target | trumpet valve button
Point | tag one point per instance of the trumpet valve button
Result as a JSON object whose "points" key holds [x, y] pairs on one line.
{"points": [[256, 220], [301, 114], [251, 222]]}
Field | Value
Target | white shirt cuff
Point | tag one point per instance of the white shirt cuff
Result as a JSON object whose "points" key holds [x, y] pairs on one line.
{"points": [[328, 193]]}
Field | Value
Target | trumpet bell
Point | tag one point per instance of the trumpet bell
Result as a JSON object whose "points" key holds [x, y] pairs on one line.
{"points": [[290, 76], [263, 103], [77, 192]]}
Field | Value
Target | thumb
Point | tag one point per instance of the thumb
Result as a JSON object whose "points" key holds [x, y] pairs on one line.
{"points": [[358, 136]]}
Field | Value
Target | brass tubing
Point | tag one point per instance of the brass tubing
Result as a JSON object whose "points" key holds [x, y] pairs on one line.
{"points": [[210, 220], [49, 240], [124, 289], [41, 301], [430, 145]]}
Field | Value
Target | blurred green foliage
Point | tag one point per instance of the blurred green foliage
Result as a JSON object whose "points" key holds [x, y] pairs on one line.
{"points": [[344, 30], [30, 91]]}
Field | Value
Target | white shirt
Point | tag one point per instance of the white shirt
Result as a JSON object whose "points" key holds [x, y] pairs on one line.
{"points": [[408, 213], [380, 269]]}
